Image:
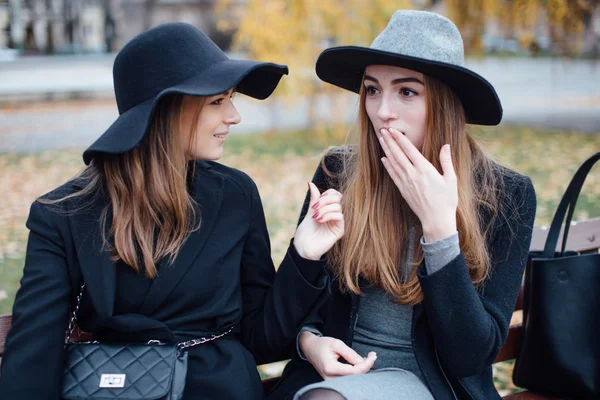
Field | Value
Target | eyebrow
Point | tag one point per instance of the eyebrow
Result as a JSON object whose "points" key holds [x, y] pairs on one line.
{"points": [[230, 91], [395, 81]]}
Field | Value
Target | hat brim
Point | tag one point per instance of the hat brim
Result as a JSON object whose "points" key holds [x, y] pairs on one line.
{"points": [[252, 78], [344, 66]]}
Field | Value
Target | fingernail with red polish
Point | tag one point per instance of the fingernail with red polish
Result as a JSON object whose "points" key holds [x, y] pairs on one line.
{"points": [[316, 205], [315, 215]]}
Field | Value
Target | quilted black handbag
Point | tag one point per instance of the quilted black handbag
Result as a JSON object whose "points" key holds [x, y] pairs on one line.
{"points": [[132, 371], [560, 350], [149, 371]]}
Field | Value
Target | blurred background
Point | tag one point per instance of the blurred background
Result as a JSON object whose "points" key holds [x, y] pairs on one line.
{"points": [[56, 95]]}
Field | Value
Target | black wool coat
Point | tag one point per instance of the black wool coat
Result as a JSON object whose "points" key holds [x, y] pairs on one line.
{"points": [[223, 277], [458, 330]]}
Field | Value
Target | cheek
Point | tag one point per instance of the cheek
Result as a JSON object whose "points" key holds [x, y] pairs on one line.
{"points": [[371, 109], [185, 128], [417, 119]]}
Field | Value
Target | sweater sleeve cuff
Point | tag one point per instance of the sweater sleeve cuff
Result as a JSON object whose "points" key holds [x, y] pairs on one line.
{"points": [[313, 330], [311, 270], [440, 253]]}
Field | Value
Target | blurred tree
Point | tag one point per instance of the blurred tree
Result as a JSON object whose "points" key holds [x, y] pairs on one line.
{"points": [[567, 21], [294, 32]]}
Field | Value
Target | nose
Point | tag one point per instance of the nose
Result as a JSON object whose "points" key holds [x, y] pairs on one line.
{"points": [[386, 110], [234, 117]]}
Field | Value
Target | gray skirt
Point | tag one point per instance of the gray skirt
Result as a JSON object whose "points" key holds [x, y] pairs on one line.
{"points": [[384, 383]]}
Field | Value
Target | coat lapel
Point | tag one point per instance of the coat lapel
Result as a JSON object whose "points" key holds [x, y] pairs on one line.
{"points": [[97, 269], [208, 193]]}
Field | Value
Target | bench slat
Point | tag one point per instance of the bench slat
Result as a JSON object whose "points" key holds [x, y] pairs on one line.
{"points": [[510, 349], [530, 396], [584, 236]]}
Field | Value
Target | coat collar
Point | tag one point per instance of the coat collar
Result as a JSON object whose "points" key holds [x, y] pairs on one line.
{"points": [[99, 271]]}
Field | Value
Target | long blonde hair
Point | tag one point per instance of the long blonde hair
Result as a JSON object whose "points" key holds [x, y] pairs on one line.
{"points": [[153, 212], [377, 218]]}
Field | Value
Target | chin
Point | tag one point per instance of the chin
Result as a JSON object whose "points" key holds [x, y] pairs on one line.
{"points": [[206, 157], [215, 156]]}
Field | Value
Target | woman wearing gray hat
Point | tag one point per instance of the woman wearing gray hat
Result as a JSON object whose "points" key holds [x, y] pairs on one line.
{"points": [[154, 241], [437, 234]]}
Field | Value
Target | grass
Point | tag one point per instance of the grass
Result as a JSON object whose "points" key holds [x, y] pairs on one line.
{"points": [[281, 164]]}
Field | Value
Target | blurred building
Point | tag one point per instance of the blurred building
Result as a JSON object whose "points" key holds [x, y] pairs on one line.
{"points": [[84, 26], [58, 26], [144, 14]]}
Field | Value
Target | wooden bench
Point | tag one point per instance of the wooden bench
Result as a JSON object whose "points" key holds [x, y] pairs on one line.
{"points": [[584, 237]]}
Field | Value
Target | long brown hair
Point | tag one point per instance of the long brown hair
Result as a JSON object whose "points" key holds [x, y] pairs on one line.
{"points": [[153, 212], [378, 220]]}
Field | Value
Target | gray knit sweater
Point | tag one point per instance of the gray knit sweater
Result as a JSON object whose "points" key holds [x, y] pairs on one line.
{"points": [[384, 326]]}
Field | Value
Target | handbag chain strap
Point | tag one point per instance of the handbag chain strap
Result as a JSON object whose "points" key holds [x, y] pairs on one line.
{"points": [[73, 319], [196, 342], [180, 346]]}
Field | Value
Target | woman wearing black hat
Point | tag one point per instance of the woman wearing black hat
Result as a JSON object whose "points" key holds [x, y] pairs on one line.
{"points": [[427, 274], [165, 244]]}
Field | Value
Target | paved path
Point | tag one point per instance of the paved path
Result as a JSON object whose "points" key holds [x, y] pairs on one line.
{"points": [[542, 92]]}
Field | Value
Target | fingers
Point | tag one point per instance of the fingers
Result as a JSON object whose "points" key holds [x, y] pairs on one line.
{"points": [[328, 203], [330, 196], [393, 173], [324, 210], [338, 216], [366, 365], [333, 369], [411, 152], [314, 193], [317, 199], [394, 153], [446, 162], [346, 352]]}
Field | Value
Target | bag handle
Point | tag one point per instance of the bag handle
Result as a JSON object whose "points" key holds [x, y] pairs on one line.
{"points": [[567, 206], [73, 319]]}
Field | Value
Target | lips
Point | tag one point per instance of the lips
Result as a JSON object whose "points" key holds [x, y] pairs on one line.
{"points": [[221, 135]]}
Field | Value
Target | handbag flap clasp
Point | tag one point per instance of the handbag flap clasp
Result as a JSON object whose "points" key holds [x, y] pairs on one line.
{"points": [[112, 381]]}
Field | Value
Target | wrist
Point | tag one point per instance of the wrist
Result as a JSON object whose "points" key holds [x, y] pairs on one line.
{"points": [[304, 340], [306, 254], [433, 234]]}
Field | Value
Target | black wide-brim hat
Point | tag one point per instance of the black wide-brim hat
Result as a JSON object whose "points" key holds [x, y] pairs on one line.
{"points": [[174, 58], [421, 41]]}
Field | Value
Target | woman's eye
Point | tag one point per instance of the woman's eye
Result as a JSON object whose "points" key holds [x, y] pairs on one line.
{"points": [[217, 102], [407, 92], [371, 90]]}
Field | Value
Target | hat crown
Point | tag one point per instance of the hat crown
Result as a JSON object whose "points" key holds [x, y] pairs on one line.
{"points": [[424, 35], [160, 58]]}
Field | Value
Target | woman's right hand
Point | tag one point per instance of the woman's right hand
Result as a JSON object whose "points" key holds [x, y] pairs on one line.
{"points": [[324, 354], [322, 226]]}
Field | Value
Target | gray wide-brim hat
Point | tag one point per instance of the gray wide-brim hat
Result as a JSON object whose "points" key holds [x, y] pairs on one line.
{"points": [[174, 59], [421, 41]]}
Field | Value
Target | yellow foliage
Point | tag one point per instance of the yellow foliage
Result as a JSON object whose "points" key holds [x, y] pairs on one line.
{"points": [[523, 20], [294, 32]]}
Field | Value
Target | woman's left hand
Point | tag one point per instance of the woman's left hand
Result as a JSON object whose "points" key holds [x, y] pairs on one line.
{"points": [[433, 197], [322, 226]]}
